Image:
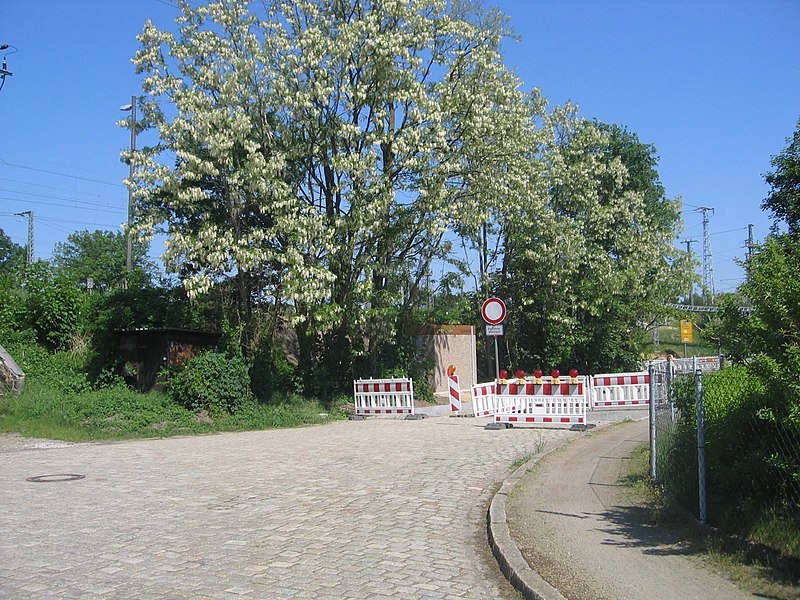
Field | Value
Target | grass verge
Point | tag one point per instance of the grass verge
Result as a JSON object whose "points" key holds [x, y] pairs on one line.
{"points": [[120, 413], [753, 568]]}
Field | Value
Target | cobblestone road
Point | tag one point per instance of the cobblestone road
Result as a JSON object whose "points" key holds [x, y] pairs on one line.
{"points": [[356, 509]]}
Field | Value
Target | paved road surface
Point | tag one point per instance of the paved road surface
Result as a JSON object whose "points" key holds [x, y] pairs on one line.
{"points": [[362, 509], [585, 534]]}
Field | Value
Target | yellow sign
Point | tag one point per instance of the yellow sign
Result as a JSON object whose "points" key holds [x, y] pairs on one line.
{"points": [[687, 332]]}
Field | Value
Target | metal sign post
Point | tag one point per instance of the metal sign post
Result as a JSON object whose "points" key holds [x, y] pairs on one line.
{"points": [[687, 335], [493, 312]]}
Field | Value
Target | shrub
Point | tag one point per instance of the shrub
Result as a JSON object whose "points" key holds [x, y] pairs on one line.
{"points": [[53, 305], [751, 458], [211, 381], [272, 374], [63, 371]]}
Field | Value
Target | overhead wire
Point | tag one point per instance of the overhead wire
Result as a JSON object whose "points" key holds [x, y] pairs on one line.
{"points": [[48, 187], [90, 206], [49, 172]]}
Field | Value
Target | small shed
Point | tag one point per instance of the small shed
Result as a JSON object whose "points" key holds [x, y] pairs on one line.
{"points": [[148, 352]]}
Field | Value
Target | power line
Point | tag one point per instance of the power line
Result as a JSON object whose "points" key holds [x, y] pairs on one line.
{"points": [[48, 187], [74, 222], [16, 166], [728, 230], [89, 205]]}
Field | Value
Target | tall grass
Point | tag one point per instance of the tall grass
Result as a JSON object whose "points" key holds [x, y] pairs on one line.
{"points": [[752, 451], [59, 402], [120, 413]]}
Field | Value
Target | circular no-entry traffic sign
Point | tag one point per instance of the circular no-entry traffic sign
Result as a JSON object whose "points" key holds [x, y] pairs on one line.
{"points": [[493, 311]]}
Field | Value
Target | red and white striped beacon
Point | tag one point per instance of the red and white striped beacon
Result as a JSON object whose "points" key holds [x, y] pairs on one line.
{"points": [[454, 389]]}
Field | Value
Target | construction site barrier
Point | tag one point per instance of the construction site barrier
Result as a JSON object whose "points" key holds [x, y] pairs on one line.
{"points": [[550, 401], [620, 390], [454, 388], [383, 397], [687, 366], [483, 399]]}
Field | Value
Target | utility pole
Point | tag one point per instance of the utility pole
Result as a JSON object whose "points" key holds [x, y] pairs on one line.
{"points": [[708, 268], [4, 72], [29, 214], [749, 244], [129, 249], [689, 243]]}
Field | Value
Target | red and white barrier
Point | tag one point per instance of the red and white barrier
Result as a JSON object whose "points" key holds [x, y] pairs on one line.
{"points": [[383, 397], [483, 399], [455, 393], [621, 390], [550, 401]]}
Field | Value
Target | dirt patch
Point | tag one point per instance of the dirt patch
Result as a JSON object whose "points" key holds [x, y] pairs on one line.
{"points": [[14, 442]]}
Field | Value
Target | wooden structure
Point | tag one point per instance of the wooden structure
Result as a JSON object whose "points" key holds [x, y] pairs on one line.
{"points": [[147, 353]]}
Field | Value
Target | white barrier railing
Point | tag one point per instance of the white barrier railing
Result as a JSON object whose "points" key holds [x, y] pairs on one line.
{"points": [[383, 397], [687, 366], [546, 400], [620, 390], [483, 395], [610, 390]]}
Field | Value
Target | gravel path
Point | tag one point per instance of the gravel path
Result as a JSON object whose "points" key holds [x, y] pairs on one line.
{"points": [[590, 537]]}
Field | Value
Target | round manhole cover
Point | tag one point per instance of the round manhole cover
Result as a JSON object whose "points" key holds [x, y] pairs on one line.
{"points": [[54, 478]]}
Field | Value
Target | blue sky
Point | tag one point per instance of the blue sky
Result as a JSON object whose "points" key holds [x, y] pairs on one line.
{"points": [[713, 85]]}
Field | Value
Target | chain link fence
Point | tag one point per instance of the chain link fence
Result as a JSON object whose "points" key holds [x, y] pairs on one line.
{"points": [[739, 469]]}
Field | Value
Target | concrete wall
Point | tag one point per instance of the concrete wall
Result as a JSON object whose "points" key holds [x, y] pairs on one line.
{"points": [[449, 345], [10, 373]]}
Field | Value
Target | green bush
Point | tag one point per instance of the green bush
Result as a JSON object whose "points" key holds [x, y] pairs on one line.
{"points": [[751, 457], [64, 370], [53, 305], [212, 381], [271, 375]]}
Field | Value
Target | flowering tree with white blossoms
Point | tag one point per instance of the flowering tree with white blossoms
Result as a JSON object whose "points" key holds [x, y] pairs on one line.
{"points": [[588, 272], [315, 152]]}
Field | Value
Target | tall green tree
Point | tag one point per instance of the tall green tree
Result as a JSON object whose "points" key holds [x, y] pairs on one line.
{"points": [[101, 256], [598, 262], [12, 255], [784, 181], [324, 147], [772, 287]]}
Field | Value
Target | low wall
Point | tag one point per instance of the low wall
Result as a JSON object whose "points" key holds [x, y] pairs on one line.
{"points": [[447, 345], [10, 373]]}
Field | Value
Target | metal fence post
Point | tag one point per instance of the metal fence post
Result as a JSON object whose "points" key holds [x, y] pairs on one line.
{"points": [[651, 372], [701, 444], [670, 389]]}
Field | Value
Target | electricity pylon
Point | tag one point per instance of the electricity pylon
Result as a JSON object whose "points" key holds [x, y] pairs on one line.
{"points": [[708, 268]]}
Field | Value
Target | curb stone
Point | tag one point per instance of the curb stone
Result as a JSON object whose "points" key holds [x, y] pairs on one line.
{"points": [[513, 565]]}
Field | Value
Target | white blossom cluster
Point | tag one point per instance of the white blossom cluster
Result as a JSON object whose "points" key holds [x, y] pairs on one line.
{"points": [[327, 146]]}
